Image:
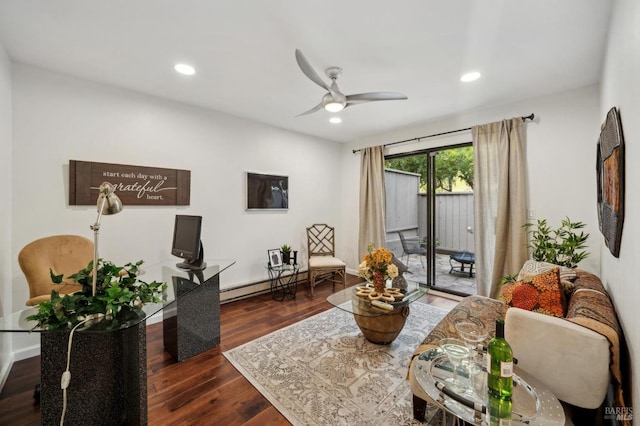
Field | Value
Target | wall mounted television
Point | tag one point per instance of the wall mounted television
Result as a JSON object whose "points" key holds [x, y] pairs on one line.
{"points": [[267, 192]]}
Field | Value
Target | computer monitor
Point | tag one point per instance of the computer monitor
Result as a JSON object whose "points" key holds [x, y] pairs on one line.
{"points": [[186, 242]]}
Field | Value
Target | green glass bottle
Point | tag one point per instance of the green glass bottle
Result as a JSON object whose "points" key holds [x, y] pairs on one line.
{"points": [[499, 411], [500, 365]]}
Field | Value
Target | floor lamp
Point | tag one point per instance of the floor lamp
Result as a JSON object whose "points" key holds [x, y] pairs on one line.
{"points": [[108, 203]]}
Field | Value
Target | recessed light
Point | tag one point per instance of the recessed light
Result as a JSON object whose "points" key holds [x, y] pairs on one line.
{"points": [[185, 69], [471, 76], [335, 120]]}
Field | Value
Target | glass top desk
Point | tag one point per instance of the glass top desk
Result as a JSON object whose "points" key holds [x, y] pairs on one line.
{"points": [[109, 366], [380, 324], [167, 272]]}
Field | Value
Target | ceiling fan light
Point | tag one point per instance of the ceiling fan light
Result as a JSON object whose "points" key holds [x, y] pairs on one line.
{"points": [[335, 120], [334, 107]]}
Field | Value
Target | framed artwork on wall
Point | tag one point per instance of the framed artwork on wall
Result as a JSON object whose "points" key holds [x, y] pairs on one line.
{"points": [[267, 192], [610, 181]]}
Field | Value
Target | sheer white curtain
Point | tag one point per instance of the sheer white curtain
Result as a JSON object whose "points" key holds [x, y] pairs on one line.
{"points": [[372, 199], [499, 202]]}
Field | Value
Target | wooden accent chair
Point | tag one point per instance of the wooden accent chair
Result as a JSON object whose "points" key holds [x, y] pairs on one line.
{"points": [[323, 265], [63, 254]]}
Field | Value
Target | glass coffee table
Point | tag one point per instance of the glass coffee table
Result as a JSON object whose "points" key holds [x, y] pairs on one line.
{"points": [[379, 320]]}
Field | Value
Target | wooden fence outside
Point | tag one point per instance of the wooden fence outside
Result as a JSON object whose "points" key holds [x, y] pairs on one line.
{"points": [[407, 212]]}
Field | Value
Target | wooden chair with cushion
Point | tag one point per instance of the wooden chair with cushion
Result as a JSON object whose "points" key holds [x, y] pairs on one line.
{"points": [[323, 265], [63, 254]]}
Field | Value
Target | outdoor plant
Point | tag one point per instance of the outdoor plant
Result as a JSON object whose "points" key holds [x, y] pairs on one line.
{"points": [[562, 246], [119, 297]]}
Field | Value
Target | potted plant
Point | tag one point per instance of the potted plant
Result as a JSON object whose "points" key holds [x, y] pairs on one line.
{"points": [[562, 246], [119, 297], [286, 253]]}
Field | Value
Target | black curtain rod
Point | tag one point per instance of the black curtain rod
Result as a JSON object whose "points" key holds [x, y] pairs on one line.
{"points": [[528, 117]]}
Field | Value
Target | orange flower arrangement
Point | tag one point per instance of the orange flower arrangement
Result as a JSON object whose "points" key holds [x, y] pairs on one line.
{"points": [[376, 265]]}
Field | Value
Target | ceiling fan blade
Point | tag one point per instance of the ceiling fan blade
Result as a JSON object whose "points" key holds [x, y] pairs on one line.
{"points": [[375, 96], [312, 110], [308, 70]]}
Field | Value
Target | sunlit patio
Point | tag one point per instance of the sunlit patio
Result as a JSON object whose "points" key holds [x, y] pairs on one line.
{"points": [[456, 281]]}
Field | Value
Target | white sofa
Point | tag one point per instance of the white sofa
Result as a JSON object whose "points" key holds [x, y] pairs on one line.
{"points": [[571, 360]]}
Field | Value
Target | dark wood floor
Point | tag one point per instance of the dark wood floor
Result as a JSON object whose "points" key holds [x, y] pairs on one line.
{"points": [[205, 389]]}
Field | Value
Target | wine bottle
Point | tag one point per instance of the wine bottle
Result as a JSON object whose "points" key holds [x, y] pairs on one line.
{"points": [[500, 365], [499, 411]]}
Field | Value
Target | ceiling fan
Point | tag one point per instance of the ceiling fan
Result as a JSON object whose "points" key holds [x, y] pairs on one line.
{"points": [[334, 100]]}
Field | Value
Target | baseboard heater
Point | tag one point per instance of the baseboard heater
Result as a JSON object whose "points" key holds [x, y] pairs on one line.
{"points": [[302, 278]]}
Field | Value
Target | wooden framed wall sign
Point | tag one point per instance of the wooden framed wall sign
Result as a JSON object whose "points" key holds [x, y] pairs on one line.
{"points": [[610, 176], [135, 185]]}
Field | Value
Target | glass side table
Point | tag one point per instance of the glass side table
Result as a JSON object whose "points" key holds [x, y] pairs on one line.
{"points": [[284, 280], [533, 403], [379, 324]]}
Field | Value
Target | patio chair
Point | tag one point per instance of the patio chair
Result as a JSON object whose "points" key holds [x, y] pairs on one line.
{"points": [[410, 247], [323, 265]]}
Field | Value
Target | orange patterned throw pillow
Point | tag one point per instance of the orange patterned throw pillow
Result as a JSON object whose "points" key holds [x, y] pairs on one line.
{"points": [[541, 293]]}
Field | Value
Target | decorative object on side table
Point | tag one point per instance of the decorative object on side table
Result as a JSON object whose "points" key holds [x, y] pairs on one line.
{"points": [[275, 258], [286, 253]]}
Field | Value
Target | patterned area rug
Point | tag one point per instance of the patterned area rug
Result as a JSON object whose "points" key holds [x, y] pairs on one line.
{"points": [[322, 371]]}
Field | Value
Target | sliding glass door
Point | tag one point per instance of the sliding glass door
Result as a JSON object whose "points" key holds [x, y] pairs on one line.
{"points": [[430, 207]]}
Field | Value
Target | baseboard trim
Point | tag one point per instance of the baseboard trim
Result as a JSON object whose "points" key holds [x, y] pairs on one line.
{"points": [[26, 352], [7, 364], [245, 291]]}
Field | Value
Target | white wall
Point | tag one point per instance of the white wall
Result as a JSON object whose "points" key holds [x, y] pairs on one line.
{"points": [[560, 155], [5, 211], [620, 88], [58, 118]]}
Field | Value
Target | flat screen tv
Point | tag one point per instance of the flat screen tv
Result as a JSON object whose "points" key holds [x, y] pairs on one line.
{"points": [[186, 242], [267, 192]]}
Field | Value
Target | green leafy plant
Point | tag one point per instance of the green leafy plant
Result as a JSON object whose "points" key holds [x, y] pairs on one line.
{"points": [[285, 248], [119, 297], [562, 246]]}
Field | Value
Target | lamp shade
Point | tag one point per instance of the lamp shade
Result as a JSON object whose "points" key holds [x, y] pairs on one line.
{"points": [[108, 201]]}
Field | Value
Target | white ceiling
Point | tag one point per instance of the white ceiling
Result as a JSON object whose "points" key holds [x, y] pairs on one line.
{"points": [[243, 52]]}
